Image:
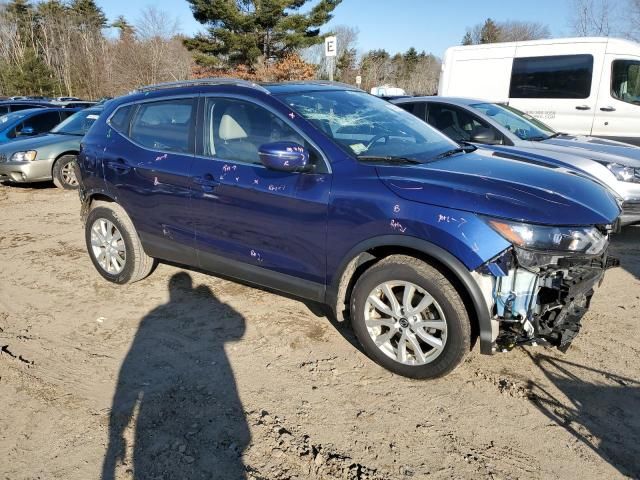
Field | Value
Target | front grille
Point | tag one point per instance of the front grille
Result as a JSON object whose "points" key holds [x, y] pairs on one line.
{"points": [[637, 175], [631, 208]]}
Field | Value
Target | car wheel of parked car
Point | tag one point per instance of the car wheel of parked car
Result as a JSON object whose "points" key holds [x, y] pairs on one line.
{"points": [[114, 245], [64, 174], [409, 318]]}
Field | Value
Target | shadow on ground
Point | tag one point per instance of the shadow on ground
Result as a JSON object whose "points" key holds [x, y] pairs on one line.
{"points": [[176, 411], [600, 409], [626, 246], [29, 186]]}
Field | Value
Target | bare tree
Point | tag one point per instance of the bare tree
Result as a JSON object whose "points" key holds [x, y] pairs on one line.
{"points": [[515, 31], [593, 17]]}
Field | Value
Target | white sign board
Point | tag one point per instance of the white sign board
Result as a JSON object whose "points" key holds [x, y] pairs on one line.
{"points": [[359, 80], [330, 47]]}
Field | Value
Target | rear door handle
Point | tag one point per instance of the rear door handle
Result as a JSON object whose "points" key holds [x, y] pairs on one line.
{"points": [[583, 107], [120, 165], [607, 109]]}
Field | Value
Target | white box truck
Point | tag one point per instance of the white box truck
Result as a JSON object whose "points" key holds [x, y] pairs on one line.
{"points": [[582, 86]]}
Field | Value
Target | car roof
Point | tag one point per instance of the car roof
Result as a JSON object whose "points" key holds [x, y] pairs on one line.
{"points": [[434, 98], [283, 88], [26, 101]]}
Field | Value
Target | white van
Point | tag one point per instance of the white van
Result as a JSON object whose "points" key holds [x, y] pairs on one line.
{"points": [[582, 86]]}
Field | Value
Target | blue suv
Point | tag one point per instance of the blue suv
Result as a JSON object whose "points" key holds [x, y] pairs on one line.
{"points": [[332, 195]]}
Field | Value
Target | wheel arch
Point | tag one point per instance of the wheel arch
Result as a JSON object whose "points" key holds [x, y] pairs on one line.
{"points": [[369, 252], [75, 153]]}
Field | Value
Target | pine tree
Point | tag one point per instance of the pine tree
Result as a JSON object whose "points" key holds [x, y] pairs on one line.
{"points": [[243, 31], [467, 39], [30, 77], [88, 14], [490, 32], [126, 29]]}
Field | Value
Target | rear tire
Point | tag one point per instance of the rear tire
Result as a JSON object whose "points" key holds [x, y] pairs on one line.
{"points": [[114, 246], [410, 319], [64, 173]]}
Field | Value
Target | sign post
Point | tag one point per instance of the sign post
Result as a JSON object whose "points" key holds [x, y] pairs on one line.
{"points": [[331, 51]]}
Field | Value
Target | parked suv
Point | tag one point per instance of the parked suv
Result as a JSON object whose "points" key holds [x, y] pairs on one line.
{"points": [[335, 196]]}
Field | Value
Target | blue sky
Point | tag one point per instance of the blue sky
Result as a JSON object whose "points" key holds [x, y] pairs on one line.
{"points": [[396, 25]]}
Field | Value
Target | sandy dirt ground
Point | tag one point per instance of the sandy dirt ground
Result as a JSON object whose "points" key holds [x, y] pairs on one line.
{"points": [[188, 376]]}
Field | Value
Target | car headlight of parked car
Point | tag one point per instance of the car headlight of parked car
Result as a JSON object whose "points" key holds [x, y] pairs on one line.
{"points": [[624, 173], [538, 245], [28, 156]]}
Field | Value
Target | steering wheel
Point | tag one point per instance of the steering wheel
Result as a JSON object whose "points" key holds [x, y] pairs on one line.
{"points": [[376, 139]]}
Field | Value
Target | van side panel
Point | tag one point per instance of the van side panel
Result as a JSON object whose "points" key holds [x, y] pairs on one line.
{"points": [[569, 115], [478, 73]]}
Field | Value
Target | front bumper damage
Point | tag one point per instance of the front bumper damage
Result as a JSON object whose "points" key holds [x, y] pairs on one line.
{"points": [[538, 297]]}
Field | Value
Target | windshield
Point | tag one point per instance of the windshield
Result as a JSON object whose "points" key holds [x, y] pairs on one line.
{"points": [[78, 123], [366, 126], [524, 126]]}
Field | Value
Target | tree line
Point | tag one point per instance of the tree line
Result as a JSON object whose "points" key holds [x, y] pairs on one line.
{"points": [[58, 48], [69, 48]]}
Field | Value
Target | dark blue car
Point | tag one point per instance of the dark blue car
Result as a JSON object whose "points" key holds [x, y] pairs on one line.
{"points": [[331, 195]]}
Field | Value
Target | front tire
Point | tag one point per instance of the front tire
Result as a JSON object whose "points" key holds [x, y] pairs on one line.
{"points": [[64, 173], [410, 319], [114, 246]]}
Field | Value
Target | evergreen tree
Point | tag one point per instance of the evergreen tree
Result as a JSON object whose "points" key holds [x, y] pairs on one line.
{"points": [[88, 14], [30, 77], [126, 29], [490, 32], [242, 31], [467, 39]]}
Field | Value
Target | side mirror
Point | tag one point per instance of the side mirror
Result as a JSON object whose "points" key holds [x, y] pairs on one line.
{"points": [[284, 156], [484, 135], [27, 131]]}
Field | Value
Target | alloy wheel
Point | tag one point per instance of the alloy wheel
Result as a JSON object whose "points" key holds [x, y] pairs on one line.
{"points": [[405, 322], [107, 246]]}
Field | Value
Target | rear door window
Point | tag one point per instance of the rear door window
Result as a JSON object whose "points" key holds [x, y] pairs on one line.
{"points": [[43, 122], [559, 76], [164, 125], [455, 122]]}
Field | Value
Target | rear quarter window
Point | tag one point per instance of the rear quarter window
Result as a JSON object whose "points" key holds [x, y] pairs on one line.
{"points": [[559, 76]]}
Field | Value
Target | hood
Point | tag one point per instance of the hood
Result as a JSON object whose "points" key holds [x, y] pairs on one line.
{"points": [[563, 159], [598, 149], [504, 188], [39, 141]]}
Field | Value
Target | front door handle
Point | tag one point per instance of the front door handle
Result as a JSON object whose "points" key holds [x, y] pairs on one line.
{"points": [[583, 107], [206, 181], [607, 109]]}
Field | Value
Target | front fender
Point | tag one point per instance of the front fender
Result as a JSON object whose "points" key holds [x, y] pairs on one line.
{"points": [[485, 325]]}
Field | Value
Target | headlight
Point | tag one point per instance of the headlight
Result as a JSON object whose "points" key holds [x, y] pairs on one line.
{"points": [[28, 156], [624, 174], [581, 240]]}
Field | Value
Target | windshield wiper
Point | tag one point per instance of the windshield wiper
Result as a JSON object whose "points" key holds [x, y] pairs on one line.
{"points": [[455, 151], [67, 133], [389, 159], [549, 137]]}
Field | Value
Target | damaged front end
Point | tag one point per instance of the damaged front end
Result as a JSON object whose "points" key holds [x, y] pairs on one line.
{"points": [[539, 295]]}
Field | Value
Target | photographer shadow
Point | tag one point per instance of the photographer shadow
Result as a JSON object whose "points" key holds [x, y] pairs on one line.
{"points": [[176, 411], [603, 409]]}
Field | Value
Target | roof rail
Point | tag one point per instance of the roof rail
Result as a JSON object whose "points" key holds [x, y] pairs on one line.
{"points": [[202, 81]]}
